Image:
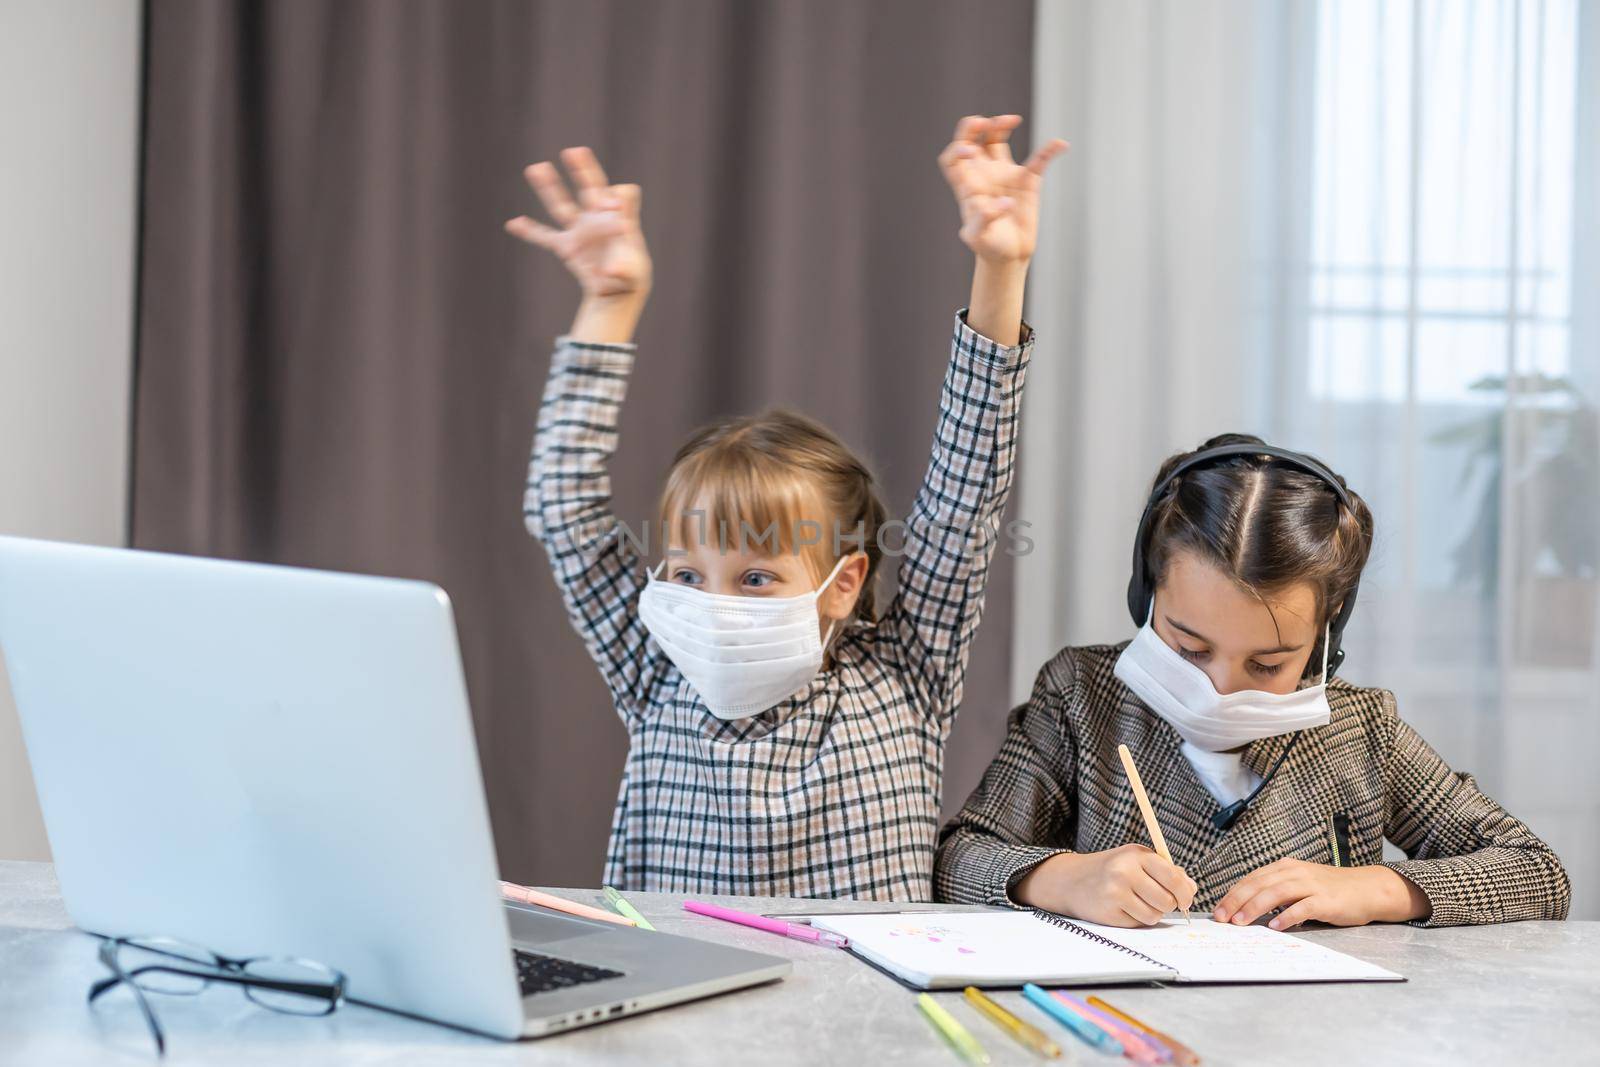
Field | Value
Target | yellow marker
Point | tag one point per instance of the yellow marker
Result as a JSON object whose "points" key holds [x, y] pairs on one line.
{"points": [[1029, 1035], [953, 1031], [626, 910]]}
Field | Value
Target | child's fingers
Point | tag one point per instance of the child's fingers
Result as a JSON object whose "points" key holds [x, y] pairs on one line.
{"points": [[1303, 911], [971, 129], [552, 192], [998, 142], [1171, 877], [1269, 897], [954, 161], [1044, 154], [1145, 912], [1156, 896], [586, 173], [1248, 886], [956, 153], [959, 176], [535, 233], [628, 197]]}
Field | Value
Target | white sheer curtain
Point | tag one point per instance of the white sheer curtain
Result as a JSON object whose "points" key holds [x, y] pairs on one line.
{"points": [[1369, 229]]}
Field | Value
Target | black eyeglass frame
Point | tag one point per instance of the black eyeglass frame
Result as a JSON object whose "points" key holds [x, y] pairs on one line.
{"points": [[226, 969]]}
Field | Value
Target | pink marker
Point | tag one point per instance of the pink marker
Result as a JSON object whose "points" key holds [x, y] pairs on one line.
{"points": [[798, 931], [523, 895], [1136, 1046]]}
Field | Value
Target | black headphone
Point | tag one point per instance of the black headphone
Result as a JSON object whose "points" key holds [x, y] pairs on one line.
{"points": [[1140, 588], [1224, 818]]}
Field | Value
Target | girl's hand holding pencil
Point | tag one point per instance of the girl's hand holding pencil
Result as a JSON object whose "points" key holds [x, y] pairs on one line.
{"points": [[1128, 886]]}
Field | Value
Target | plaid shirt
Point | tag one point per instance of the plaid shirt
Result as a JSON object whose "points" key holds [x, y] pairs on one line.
{"points": [[1057, 786], [835, 791]]}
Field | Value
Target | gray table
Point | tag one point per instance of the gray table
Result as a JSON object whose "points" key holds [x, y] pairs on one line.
{"points": [[1517, 994]]}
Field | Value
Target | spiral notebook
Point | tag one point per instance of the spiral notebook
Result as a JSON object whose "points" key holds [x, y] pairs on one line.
{"points": [[951, 949]]}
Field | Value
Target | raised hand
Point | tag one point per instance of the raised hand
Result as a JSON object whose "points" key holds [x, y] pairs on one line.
{"points": [[597, 236], [998, 197]]}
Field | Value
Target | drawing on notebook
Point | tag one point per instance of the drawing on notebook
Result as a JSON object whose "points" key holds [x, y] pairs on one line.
{"points": [[977, 948], [1206, 934], [951, 949], [934, 935], [1224, 952]]}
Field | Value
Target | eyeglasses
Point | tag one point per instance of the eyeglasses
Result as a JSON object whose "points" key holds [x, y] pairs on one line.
{"points": [[177, 968]]}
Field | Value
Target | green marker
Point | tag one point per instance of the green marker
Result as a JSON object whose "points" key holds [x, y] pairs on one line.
{"points": [[953, 1031], [626, 910]]}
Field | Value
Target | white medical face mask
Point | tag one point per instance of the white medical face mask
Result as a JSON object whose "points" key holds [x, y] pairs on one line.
{"points": [[1182, 693], [742, 654]]}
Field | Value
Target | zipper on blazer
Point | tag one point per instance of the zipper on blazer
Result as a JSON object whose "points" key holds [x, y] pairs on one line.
{"points": [[1339, 838]]}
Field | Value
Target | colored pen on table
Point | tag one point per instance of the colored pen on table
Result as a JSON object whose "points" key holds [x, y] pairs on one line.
{"points": [[953, 1031], [1182, 1054], [523, 895], [798, 931], [626, 910], [1025, 1033], [1071, 1020], [1135, 1046]]}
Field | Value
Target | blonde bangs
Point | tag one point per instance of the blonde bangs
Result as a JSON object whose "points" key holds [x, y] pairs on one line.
{"points": [[771, 484], [735, 498]]}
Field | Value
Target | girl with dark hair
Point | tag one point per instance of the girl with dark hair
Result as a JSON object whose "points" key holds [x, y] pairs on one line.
{"points": [[1274, 784]]}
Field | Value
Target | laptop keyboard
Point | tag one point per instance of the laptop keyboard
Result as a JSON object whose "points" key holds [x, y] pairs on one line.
{"points": [[540, 974]]}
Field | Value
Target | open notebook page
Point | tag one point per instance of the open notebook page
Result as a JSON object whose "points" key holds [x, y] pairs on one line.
{"points": [[936, 950], [1206, 951]]}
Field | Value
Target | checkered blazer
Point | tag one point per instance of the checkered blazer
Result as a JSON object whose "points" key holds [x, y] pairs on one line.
{"points": [[835, 791], [1057, 786]]}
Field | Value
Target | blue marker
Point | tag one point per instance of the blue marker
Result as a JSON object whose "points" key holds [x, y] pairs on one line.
{"points": [[1072, 1020]]}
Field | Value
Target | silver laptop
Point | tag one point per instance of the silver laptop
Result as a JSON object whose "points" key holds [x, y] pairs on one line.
{"points": [[271, 761]]}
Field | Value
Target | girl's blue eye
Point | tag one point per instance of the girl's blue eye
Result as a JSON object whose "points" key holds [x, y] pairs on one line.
{"points": [[684, 576], [758, 579]]}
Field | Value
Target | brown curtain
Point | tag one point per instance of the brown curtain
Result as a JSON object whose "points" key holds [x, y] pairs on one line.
{"points": [[340, 353]]}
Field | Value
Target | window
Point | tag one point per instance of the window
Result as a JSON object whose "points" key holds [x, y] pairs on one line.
{"points": [[1443, 201]]}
